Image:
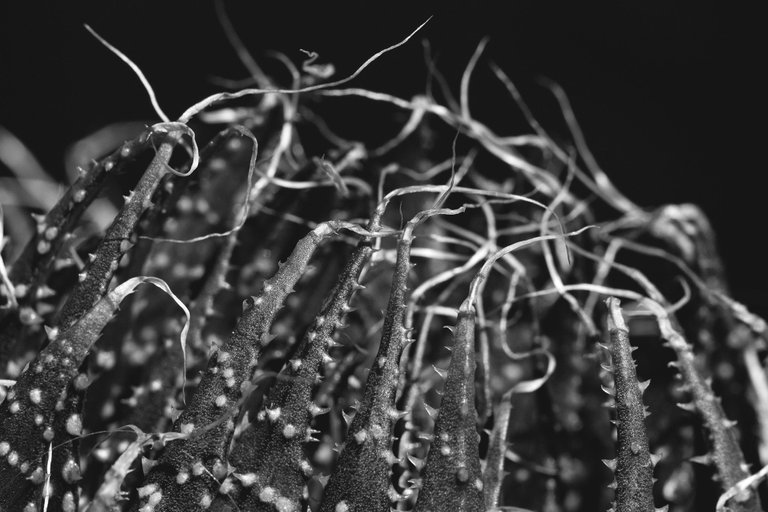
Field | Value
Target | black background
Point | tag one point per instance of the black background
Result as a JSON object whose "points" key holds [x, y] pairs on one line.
{"points": [[669, 93]]}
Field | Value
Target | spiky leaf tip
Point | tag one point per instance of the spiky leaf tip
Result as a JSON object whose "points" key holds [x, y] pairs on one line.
{"points": [[452, 478], [633, 467]]}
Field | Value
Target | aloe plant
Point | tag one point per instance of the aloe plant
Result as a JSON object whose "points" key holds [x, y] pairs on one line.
{"points": [[297, 358]]}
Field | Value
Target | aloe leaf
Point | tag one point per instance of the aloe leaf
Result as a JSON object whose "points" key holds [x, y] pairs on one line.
{"points": [[31, 269], [269, 456], [361, 478], [633, 466], [99, 271], [726, 453], [29, 419], [189, 471], [452, 477]]}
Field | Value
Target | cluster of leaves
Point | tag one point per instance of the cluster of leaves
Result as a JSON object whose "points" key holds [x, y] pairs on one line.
{"points": [[294, 358]]}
